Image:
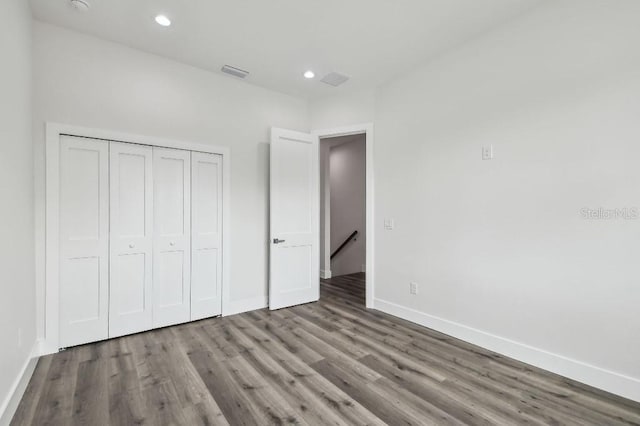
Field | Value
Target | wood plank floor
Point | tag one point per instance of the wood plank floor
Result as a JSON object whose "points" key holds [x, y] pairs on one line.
{"points": [[331, 362]]}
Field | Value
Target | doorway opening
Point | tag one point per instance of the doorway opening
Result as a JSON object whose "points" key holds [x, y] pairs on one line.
{"points": [[294, 206], [343, 215]]}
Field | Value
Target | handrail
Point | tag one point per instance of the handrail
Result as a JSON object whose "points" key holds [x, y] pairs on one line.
{"points": [[351, 237]]}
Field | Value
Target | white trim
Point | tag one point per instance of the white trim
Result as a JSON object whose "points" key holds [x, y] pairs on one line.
{"points": [[52, 233], [50, 341], [19, 386], [246, 305], [325, 274], [607, 380], [367, 129]]}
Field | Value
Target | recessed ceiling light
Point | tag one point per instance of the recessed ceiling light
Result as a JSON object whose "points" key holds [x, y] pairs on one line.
{"points": [[163, 20], [309, 74], [81, 5]]}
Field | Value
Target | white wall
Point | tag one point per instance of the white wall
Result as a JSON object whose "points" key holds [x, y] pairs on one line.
{"points": [[17, 288], [347, 176], [81, 80], [342, 110], [500, 245], [500, 251]]}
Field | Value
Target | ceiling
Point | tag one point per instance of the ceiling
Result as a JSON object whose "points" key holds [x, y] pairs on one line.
{"points": [[371, 41]]}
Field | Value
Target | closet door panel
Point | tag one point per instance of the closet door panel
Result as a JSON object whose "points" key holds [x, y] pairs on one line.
{"points": [[172, 237], [84, 240], [206, 279], [131, 205]]}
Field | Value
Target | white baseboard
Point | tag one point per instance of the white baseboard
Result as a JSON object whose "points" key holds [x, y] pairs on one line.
{"points": [[11, 402], [245, 305], [46, 348], [325, 274], [610, 381]]}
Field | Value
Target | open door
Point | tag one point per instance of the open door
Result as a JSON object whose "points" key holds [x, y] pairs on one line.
{"points": [[295, 194]]}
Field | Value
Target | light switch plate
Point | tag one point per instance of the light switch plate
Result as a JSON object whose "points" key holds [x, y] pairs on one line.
{"points": [[487, 152], [413, 288]]}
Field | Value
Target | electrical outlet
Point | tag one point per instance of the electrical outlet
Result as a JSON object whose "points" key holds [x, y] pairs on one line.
{"points": [[389, 224], [487, 152], [413, 288]]}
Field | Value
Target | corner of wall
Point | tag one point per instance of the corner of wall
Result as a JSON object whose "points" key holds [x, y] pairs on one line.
{"points": [[17, 260], [19, 386]]}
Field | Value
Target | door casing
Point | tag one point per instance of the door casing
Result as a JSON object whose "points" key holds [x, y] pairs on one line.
{"points": [[367, 130]]}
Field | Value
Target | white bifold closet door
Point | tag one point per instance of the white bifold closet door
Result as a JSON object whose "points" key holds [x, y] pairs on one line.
{"points": [[131, 204], [206, 235], [172, 236], [84, 240], [140, 238]]}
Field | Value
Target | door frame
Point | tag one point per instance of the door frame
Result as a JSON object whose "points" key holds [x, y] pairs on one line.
{"points": [[367, 130], [48, 302]]}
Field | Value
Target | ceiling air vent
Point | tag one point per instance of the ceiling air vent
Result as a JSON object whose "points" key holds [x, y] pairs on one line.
{"points": [[334, 79], [236, 72]]}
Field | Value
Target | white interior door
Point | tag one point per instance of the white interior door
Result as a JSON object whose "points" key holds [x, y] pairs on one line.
{"points": [[295, 194], [84, 240], [172, 236], [206, 235], [131, 203]]}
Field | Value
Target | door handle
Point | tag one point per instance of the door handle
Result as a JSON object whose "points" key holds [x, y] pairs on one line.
{"points": [[172, 243], [131, 245], [277, 241]]}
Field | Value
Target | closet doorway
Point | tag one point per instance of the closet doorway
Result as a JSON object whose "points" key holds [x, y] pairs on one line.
{"points": [[137, 234]]}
